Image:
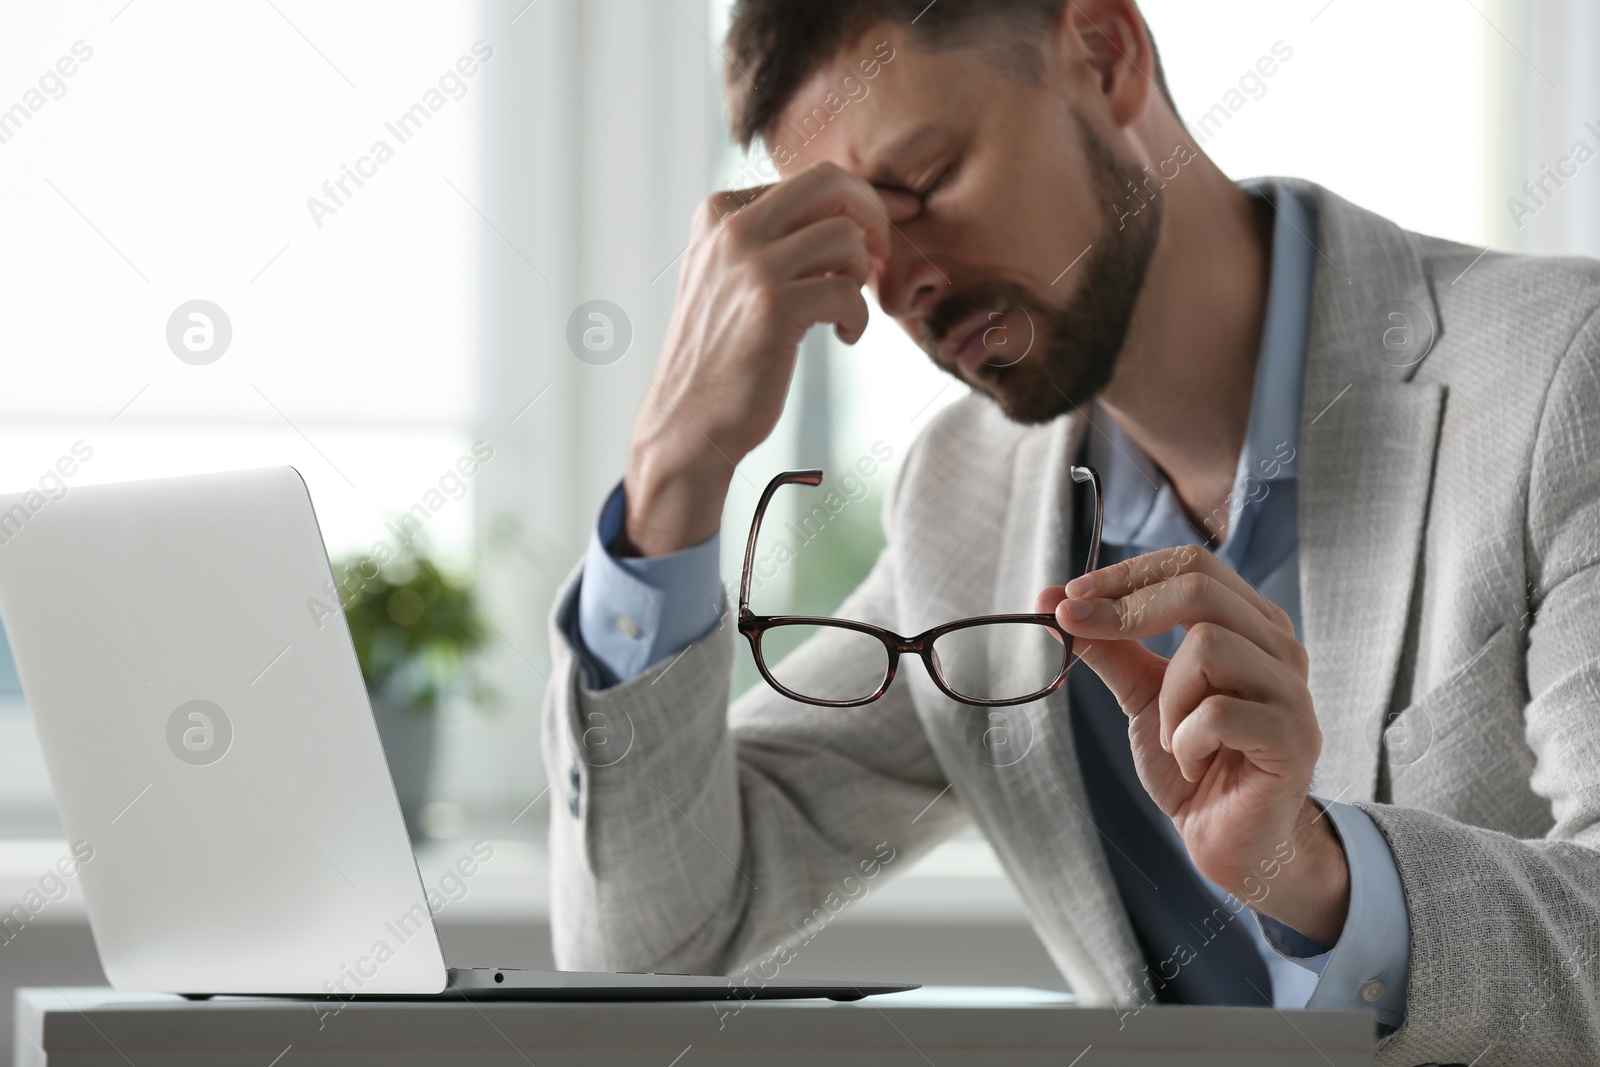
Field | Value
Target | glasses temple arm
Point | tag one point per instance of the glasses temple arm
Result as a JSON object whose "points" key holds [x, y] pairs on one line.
{"points": [[1092, 476], [806, 477]]}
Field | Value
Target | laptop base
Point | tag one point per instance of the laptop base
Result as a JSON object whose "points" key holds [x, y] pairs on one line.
{"points": [[511, 983]]}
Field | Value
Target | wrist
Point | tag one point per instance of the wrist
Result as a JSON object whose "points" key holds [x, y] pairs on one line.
{"points": [[671, 506], [1311, 893]]}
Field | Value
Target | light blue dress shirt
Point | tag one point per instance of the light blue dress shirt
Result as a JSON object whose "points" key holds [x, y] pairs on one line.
{"points": [[634, 613]]}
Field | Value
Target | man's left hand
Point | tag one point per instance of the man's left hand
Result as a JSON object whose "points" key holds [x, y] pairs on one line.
{"points": [[1224, 734]]}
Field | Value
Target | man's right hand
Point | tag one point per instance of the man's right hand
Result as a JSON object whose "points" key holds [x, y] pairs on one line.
{"points": [[763, 266]]}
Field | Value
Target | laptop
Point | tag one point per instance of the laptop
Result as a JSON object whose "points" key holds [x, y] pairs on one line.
{"points": [[213, 752]]}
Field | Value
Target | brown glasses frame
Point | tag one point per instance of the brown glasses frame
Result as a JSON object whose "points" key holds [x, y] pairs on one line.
{"points": [[754, 626]]}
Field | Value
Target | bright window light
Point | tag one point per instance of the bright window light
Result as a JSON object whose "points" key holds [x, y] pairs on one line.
{"points": [[308, 169]]}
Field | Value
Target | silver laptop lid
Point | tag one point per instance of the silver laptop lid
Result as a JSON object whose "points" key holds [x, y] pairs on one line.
{"points": [[208, 736]]}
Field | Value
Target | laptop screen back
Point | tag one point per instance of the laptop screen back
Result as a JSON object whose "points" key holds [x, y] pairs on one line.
{"points": [[209, 739]]}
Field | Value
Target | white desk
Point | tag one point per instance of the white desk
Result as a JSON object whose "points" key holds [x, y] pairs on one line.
{"points": [[949, 1028]]}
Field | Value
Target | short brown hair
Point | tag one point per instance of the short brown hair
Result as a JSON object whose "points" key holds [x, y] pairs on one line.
{"points": [[773, 46]]}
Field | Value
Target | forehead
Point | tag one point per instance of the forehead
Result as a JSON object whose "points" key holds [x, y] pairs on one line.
{"points": [[877, 103]]}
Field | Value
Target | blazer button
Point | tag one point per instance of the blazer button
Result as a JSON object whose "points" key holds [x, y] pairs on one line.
{"points": [[1371, 991]]}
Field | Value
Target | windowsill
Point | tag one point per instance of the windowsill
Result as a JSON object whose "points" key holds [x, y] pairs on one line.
{"points": [[960, 881]]}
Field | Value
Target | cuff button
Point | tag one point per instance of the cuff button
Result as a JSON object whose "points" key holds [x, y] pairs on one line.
{"points": [[627, 627], [1371, 991], [574, 791]]}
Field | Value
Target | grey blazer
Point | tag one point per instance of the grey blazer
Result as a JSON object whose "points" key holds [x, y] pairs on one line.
{"points": [[1449, 516]]}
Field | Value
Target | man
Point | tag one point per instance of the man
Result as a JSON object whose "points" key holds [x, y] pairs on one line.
{"points": [[1336, 743]]}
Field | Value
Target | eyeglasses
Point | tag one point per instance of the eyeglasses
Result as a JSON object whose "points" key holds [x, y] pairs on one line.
{"points": [[989, 660]]}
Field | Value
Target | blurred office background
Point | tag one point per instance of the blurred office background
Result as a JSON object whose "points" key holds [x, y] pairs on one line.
{"points": [[376, 339]]}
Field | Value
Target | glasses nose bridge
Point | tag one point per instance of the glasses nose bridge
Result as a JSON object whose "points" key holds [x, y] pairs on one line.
{"points": [[904, 645]]}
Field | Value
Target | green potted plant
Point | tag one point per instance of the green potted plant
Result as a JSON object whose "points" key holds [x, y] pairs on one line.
{"points": [[414, 628]]}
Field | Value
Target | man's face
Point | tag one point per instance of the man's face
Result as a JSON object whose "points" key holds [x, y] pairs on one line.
{"points": [[1020, 271]]}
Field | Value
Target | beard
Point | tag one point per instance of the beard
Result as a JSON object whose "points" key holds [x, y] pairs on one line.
{"points": [[1074, 346]]}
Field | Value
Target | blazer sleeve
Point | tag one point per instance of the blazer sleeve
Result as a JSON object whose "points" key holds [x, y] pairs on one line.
{"points": [[689, 837], [1505, 950]]}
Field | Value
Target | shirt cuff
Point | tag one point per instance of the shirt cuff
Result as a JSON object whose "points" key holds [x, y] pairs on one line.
{"points": [[635, 612], [1369, 966]]}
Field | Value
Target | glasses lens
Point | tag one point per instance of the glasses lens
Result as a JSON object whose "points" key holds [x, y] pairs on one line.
{"points": [[825, 662], [1000, 660]]}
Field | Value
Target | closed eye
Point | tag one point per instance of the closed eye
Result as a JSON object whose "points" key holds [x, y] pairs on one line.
{"points": [[934, 186]]}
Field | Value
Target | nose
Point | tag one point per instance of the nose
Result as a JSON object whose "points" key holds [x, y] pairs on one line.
{"points": [[908, 283]]}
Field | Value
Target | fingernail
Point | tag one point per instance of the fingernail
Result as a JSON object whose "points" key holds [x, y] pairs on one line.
{"points": [[1082, 585], [1166, 745], [1078, 610]]}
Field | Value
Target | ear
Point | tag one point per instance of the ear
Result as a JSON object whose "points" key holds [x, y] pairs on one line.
{"points": [[1105, 45]]}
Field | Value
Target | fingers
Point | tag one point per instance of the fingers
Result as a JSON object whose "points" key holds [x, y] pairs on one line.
{"points": [[1270, 740], [821, 191], [835, 298], [1121, 579], [1211, 659], [726, 203], [900, 205], [1190, 598], [831, 246], [1131, 671], [1048, 600]]}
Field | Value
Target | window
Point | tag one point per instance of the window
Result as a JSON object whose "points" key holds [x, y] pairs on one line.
{"points": [[213, 155], [1277, 89], [153, 156]]}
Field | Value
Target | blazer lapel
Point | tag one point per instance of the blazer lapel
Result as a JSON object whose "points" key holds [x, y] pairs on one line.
{"points": [[1367, 442]]}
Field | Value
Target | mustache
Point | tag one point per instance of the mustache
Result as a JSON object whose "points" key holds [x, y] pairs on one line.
{"points": [[958, 306]]}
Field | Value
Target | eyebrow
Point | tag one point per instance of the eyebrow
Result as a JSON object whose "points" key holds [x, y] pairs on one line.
{"points": [[892, 161]]}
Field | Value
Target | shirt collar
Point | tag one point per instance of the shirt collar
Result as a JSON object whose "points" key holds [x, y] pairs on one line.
{"points": [[1141, 509]]}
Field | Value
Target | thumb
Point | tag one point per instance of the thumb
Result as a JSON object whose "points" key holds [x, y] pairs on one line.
{"points": [[1132, 672]]}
